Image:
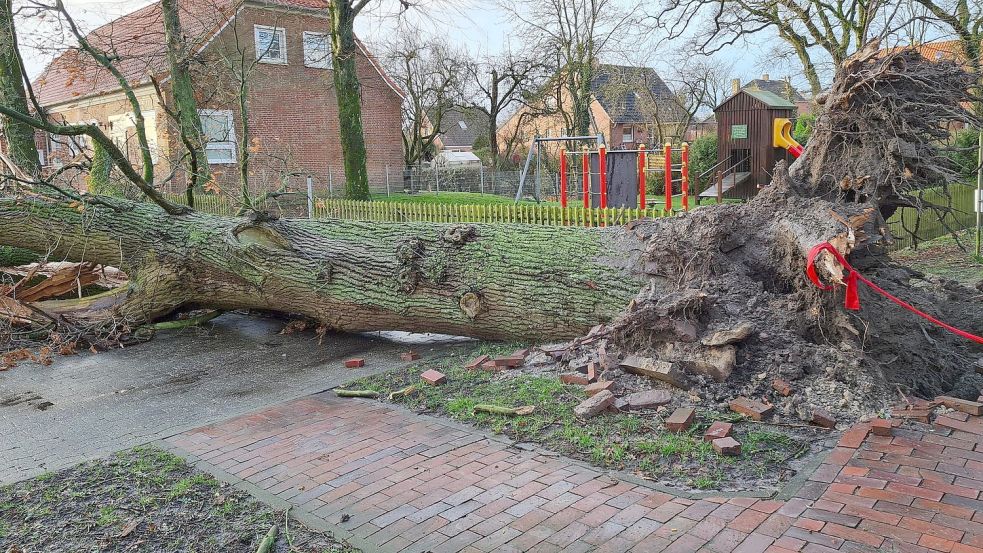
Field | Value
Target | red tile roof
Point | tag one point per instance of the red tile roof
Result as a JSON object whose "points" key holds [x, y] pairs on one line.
{"points": [[138, 39]]}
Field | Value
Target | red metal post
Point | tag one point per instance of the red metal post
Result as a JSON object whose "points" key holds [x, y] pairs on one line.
{"points": [[585, 154], [563, 178], [602, 167], [667, 152], [641, 176], [685, 172]]}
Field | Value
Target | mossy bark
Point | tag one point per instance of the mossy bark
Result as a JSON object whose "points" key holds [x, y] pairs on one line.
{"points": [[185, 106], [19, 135], [495, 282], [348, 90]]}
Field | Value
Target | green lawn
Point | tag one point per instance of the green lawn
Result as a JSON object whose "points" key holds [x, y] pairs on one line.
{"points": [[634, 442], [473, 198]]}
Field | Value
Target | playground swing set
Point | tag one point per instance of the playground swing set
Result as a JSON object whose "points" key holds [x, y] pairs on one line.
{"points": [[624, 180], [754, 131]]}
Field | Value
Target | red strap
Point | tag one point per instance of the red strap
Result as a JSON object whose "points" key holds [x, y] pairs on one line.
{"points": [[852, 301]]}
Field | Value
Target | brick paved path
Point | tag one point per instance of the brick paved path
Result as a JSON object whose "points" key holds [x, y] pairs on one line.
{"points": [[393, 481]]}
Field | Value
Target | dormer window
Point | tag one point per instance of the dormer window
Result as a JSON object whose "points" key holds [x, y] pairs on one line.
{"points": [[271, 44]]}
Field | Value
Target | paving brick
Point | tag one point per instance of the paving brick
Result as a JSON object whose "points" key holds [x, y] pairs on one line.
{"points": [[965, 406], [681, 419], [433, 377], [574, 378], [751, 408], [649, 399], [593, 405], [598, 387], [822, 417], [718, 429], [727, 446], [881, 427], [354, 363], [477, 362]]}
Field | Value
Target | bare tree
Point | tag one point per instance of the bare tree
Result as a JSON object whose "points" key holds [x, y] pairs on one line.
{"points": [[576, 32], [19, 135], [503, 83], [431, 73], [837, 29]]}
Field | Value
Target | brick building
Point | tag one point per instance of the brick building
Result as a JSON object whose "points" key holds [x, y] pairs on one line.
{"points": [[629, 106], [283, 49]]}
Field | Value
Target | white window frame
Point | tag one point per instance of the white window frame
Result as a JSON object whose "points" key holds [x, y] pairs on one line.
{"points": [[280, 35], [228, 145], [627, 134], [323, 63]]}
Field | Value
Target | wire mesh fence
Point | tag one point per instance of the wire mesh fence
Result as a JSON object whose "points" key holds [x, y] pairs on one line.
{"points": [[909, 226]]}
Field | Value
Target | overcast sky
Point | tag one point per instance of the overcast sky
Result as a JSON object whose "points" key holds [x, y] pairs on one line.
{"points": [[478, 25]]}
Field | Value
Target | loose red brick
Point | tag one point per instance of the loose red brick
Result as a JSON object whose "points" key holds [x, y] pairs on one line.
{"points": [[918, 414], [574, 378], [881, 427], [520, 353], [598, 387], [972, 407], [718, 429], [354, 363], [822, 417], [433, 377], [649, 399], [782, 387], [681, 419], [476, 362], [726, 446], [507, 362], [754, 409], [491, 366], [594, 404], [409, 355]]}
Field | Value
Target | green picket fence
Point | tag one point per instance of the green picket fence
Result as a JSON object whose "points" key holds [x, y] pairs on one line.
{"points": [[551, 215]]}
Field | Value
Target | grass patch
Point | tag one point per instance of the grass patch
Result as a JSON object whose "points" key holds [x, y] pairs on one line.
{"points": [[449, 198], [943, 257], [623, 441], [144, 499]]}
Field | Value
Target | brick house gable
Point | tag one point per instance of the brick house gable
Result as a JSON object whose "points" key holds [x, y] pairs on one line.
{"points": [[293, 111]]}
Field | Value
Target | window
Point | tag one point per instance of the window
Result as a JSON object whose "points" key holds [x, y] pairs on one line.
{"points": [[216, 125], [123, 133], [271, 44], [463, 125], [317, 50], [627, 134]]}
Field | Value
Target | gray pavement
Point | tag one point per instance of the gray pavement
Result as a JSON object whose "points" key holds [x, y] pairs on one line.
{"points": [[88, 406]]}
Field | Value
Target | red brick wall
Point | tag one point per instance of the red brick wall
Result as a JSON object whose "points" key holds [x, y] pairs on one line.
{"points": [[293, 112]]}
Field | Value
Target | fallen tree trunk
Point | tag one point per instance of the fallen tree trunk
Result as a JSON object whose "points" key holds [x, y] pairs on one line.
{"points": [[676, 289], [486, 281]]}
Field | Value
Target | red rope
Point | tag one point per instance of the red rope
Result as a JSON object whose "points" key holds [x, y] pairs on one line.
{"points": [[853, 299]]}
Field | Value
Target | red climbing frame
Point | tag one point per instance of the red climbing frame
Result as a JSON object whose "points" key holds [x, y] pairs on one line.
{"points": [[667, 154], [563, 179]]}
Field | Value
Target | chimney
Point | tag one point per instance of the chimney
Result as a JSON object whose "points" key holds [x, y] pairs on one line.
{"points": [[765, 77], [735, 86]]}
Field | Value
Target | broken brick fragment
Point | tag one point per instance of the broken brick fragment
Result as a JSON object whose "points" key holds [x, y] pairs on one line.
{"points": [[717, 430], [595, 404], [681, 419], [598, 387], [726, 446], [591, 372], [649, 399], [822, 417], [433, 377], [520, 353], [751, 408], [476, 362], [508, 362], [782, 387], [409, 355], [881, 427], [963, 405], [354, 363], [574, 378]]}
